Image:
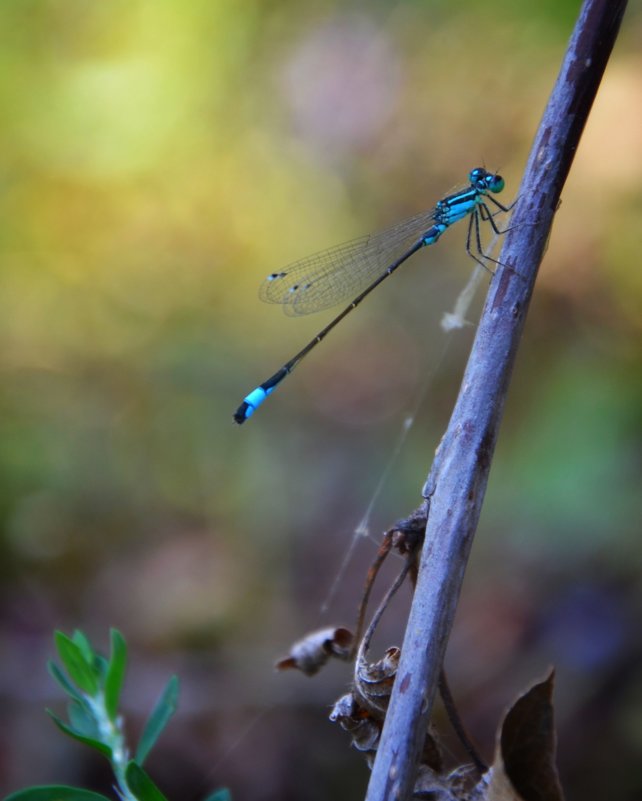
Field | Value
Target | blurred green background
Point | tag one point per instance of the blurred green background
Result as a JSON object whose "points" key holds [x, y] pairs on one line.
{"points": [[158, 160]]}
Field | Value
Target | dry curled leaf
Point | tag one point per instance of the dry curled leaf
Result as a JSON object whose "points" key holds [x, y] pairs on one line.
{"points": [[310, 653], [361, 713], [365, 731], [454, 786], [358, 722], [373, 680]]}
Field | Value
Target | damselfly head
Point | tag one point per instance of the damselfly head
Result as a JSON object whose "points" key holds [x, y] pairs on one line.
{"points": [[486, 181]]}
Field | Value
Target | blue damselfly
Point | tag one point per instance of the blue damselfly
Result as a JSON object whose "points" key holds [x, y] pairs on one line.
{"points": [[355, 268]]}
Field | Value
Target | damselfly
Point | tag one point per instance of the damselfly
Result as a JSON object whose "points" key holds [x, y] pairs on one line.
{"points": [[356, 268]]}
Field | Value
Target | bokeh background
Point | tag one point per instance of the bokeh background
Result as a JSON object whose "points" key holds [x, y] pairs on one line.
{"points": [[158, 160]]}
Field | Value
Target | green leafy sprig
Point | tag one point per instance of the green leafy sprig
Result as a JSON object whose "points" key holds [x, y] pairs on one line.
{"points": [[93, 685]]}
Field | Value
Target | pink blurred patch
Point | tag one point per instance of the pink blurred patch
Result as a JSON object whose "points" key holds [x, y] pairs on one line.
{"points": [[341, 83]]}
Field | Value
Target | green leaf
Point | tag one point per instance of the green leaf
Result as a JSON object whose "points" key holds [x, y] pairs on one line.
{"points": [[55, 792], [141, 785], [83, 643], [162, 712], [100, 666], [115, 673], [97, 662], [73, 658], [82, 720], [63, 681], [82, 738], [222, 794]]}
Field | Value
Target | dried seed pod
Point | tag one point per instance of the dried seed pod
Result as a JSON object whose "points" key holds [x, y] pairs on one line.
{"points": [[310, 653]]}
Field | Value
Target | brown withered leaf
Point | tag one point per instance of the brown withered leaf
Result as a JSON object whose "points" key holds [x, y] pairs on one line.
{"points": [[524, 765], [310, 653]]}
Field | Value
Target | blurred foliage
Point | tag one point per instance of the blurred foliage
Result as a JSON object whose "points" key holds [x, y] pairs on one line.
{"points": [[158, 159]]}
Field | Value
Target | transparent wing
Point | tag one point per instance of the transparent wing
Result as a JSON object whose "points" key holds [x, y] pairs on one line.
{"points": [[342, 272]]}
